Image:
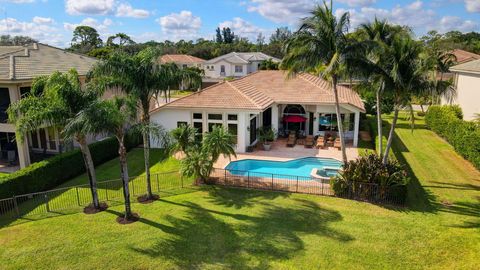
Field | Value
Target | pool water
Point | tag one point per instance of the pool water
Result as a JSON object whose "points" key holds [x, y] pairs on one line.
{"points": [[283, 169]]}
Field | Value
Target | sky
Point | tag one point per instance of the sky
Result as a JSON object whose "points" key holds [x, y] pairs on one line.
{"points": [[53, 21]]}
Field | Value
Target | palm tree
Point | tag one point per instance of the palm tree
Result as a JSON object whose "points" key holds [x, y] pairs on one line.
{"points": [[321, 44], [184, 137], [377, 37], [407, 73], [54, 101], [439, 62], [143, 78], [112, 116]]}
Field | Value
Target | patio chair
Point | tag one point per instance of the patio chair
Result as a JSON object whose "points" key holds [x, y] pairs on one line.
{"points": [[292, 138], [320, 142], [337, 143], [309, 141]]}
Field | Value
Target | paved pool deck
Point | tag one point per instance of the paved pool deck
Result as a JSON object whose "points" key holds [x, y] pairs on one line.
{"points": [[280, 152]]}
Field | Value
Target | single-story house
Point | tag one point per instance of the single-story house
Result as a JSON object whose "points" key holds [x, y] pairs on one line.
{"points": [[235, 64], [265, 98], [19, 65], [467, 84]]}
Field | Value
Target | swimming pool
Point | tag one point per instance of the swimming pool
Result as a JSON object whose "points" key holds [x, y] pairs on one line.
{"points": [[283, 169]]}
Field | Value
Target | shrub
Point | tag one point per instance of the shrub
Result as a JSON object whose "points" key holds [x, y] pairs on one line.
{"points": [[369, 179], [56, 170], [464, 136]]}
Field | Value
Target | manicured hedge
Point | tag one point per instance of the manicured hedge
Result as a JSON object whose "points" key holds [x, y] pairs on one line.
{"points": [[49, 173], [464, 136]]}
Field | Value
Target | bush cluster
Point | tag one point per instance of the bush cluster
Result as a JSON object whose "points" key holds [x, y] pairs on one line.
{"points": [[367, 178], [464, 136], [49, 173]]}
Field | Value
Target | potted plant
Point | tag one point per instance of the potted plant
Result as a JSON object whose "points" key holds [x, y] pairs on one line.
{"points": [[266, 135]]}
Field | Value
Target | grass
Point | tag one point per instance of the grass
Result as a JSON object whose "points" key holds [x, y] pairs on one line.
{"points": [[221, 228]]}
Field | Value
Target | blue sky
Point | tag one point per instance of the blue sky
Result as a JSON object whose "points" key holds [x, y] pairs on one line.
{"points": [[52, 21]]}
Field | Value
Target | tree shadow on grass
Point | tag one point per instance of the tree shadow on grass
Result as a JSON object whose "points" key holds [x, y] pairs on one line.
{"points": [[206, 237], [238, 198]]}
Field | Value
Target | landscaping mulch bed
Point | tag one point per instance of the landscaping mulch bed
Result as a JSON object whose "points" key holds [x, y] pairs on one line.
{"points": [[122, 220], [144, 198], [90, 209]]}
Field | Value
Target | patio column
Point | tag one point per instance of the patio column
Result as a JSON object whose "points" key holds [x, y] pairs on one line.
{"points": [[275, 118], [22, 147], [356, 128]]}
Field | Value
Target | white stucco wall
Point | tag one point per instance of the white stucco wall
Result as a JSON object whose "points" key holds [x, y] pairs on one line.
{"points": [[468, 94], [229, 70]]}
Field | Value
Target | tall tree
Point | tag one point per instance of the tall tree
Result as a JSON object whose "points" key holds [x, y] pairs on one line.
{"points": [[321, 43], [120, 40], [7, 40], [141, 77], [112, 116], [228, 35], [218, 37], [54, 101], [85, 39]]}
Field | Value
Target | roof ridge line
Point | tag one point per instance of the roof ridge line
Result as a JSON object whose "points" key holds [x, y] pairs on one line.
{"points": [[340, 98], [243, 94]]}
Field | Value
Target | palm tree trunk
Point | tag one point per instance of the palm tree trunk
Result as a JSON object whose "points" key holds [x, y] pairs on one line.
{"points": [[379, 119], [122, 152], [146, 156], [90, 168], [390, 135], [339, 120]]}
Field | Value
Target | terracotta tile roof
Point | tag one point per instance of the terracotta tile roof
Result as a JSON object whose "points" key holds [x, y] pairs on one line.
{"points": [[40, 59], [260, 89], [242, 57], [464, 56], [469, 67], [180, 58]]}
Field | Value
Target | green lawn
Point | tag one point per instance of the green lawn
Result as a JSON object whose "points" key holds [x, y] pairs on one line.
{"points": [[221, 228]]}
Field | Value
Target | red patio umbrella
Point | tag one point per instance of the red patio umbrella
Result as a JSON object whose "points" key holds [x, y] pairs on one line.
{"points": [[294, 119]]}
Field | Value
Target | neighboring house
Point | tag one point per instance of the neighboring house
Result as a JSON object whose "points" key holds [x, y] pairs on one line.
{"points": [[467, 84], [303, 103], [182, 60], [18, 66], [235, 64], [461, 57]]}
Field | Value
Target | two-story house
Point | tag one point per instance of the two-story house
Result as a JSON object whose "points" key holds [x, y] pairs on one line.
{"points": [[19, 65], [235, 64]]}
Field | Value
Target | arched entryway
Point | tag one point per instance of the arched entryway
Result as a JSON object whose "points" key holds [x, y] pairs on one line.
{"points": [[294, 118]]}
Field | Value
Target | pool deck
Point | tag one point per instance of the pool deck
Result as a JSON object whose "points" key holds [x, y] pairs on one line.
{"points": [[280, 152]]}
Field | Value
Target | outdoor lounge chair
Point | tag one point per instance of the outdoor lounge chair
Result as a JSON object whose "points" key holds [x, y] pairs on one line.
{"points": [[337, 143], [320, 142], [292, 139], [309, 142]]}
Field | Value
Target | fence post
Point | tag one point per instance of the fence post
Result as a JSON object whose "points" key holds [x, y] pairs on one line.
{"points": [[16, 206], [248, 179], [225, 179], [297, 184], [78, 197], [272, 181], [46, 202], [158, 183], [106, 190]]}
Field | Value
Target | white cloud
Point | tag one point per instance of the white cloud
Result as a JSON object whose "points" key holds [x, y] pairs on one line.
{"points": [[449, 23], [100, 26], [281, 10], [126, 10], [183, 25], [415, 15], [42, 20], [91, 7], [243, 28], [43, 32], [357, 3], [472, 5]]}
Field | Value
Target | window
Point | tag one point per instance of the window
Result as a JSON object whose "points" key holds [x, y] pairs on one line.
{"points": [[238, 69], [184, 66], [199, 128], [328, 121], [212, 125], [34, 139], [222, 69], [180, 123], [232, 117], [52, 142], [233, 129], [214, 116], [197, 116], [24, 91]]}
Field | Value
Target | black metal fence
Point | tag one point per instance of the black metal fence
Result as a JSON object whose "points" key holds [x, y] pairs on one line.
{"points": [[60, 199], [310, 185]]}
